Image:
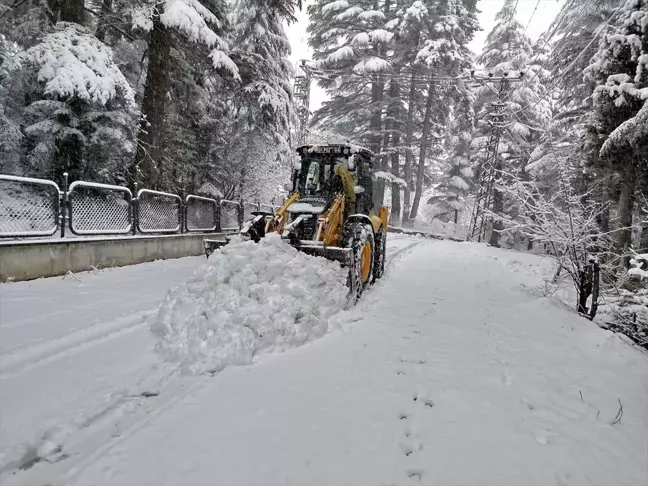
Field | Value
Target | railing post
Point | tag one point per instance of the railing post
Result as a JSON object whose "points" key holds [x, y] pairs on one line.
{"points": [[217, 215], [64, 204], [181, 211], [241, 215], [135, 209]]}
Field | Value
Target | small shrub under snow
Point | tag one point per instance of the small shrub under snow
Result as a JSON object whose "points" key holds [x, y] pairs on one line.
{"points": [[248, 298]]}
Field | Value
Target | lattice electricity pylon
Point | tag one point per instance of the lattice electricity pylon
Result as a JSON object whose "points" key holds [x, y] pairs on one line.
{"points": [[301, 95], [488, 170]]}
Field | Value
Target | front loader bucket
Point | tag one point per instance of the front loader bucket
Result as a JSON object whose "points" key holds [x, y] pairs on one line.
{"points": [[336, 253]]}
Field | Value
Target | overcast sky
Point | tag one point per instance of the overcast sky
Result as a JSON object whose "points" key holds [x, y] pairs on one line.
{"points": [[547, 10]]}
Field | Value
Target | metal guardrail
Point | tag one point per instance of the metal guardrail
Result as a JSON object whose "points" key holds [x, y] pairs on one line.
{"points": [[201, 214], [28, 207], [99, 209], [231, 215], [158, 212], [39, 208]]}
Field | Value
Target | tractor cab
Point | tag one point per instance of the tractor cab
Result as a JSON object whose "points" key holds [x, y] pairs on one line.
{"points": [[324, 172]]}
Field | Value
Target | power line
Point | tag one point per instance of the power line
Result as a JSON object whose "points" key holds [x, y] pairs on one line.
{"points": [[534, 11], [549, 37]]}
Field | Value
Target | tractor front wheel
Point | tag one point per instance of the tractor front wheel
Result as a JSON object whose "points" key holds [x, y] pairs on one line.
{"points": [[381, 254], [359, 238]]}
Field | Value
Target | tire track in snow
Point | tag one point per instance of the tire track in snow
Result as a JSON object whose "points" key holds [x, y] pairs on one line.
{"points": [[26, 359], [394, 253]]}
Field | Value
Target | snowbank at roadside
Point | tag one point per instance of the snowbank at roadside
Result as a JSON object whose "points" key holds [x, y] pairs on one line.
{"points": [[248, 298]]}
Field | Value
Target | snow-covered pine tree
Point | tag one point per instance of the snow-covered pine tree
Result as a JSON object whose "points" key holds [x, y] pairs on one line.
{"points": [[509, 52], [196, 22], [355, 39], [572, 35], [620, 70], [260, 105], [446, 54], [74, 102]]}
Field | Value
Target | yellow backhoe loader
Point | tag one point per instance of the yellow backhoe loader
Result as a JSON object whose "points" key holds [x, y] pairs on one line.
{"points": [[329, 213]]}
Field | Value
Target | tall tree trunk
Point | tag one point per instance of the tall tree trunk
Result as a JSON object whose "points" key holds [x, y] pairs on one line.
{"points": [[102, 24], [377, 98], [420, 172], [377, 94], [626, 208], [409, 138], [603, 198], [149, 139], [395, 155], [71, 11]]}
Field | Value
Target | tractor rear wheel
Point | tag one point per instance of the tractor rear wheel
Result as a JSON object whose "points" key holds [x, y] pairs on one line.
{"points": [[360, 238], [381, 254]]}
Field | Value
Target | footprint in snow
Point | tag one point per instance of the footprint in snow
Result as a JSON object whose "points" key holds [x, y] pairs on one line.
{"points": [[415, 474], [427, 402], [406, 449]]}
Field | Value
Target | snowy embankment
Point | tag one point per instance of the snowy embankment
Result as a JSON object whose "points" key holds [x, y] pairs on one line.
{"points": [[248, 298]]}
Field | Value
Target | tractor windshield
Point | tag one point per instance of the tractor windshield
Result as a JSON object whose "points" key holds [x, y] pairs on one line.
{"points": [[316, 177]]}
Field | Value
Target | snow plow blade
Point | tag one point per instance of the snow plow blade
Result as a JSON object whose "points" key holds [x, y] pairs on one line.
{"points": [[342, 255]]}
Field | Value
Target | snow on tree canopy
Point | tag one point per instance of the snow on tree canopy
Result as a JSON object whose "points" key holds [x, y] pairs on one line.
{"points": [[74, 63], [349, 13], [371, 65], [341, 54], [627, 38], [629, 134], [361, 39], [193, 20], [371, 15], [222, 60], [333, 6], [380, 35]]}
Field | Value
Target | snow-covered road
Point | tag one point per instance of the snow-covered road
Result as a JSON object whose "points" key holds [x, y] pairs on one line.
{"points": [[452, 370], [76, 350]]}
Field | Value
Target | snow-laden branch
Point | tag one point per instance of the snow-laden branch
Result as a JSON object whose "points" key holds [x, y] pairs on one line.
{"points": [[191, 19], [74, 63], [387, 176]]}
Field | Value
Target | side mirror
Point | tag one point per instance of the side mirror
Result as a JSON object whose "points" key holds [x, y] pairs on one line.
{"points": [[288, 187], [358, 189]]}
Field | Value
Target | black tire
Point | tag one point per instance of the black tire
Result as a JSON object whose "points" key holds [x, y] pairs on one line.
{"points": [[381, 255], [358, 236], [256, 231]]}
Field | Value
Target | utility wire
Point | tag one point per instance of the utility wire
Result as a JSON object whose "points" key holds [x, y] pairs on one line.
{"points": [[578, 18], [534, 11]]}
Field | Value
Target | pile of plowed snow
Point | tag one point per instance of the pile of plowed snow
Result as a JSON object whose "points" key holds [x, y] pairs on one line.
{"points": [[248, 298]]}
